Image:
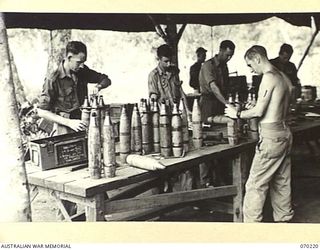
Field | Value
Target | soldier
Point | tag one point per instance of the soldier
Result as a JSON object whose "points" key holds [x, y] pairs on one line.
{"points": [[271, 166], [63, 93], [195, 69], [65, 89], [164, 85], [214, 89], [282, 62]]}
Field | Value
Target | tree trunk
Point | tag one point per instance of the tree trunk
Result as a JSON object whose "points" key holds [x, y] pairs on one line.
{"points": [[19, 90], [14, 195], [172, 41], [57, 51]]}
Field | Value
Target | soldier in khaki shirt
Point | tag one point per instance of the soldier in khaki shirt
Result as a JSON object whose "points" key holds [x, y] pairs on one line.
{"points": [[63, 93], [64, 90], [164, 84], [213, 80]]}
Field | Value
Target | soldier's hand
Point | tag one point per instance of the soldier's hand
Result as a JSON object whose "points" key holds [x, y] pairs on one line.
{"points": [[249, 105], [230, 111], [76, 125], [96, 89]]}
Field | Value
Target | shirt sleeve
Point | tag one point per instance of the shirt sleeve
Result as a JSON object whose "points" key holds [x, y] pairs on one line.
{"points": [[47, 97], [94, 77], [208, 74], [153, 85]]}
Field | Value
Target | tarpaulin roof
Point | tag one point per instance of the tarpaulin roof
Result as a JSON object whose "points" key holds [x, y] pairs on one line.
{"points": [[141, 22]]}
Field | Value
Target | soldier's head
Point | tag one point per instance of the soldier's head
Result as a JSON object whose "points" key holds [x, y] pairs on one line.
{"points": [[285, 53], [226, 51], [256, 57], [76, 55], [164, 56], [201, 54]]}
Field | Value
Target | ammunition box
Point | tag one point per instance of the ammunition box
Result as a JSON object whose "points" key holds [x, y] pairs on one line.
{"points": [[59, 151]]}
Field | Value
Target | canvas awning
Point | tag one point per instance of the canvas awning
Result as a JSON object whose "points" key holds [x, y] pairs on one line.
{"points": [[141, 22]]}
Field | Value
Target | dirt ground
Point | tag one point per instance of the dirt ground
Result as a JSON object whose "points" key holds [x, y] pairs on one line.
{"points": [[305, 198]]}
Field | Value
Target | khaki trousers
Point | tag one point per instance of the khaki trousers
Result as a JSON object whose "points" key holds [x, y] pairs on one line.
{"points": [[271, 169]]}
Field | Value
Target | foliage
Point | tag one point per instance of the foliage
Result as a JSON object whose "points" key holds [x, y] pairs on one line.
{"points": [[129, 57]]}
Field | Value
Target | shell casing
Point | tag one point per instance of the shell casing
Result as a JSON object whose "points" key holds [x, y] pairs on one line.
{"points": [[94, 146], [136, 132], [124, 135], [109, 151], [165, 132], [197, 138], [185, 132]]}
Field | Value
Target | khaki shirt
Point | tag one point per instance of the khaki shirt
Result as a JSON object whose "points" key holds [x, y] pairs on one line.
{"points": [[213, 71], [166, 85], [62, 93]]}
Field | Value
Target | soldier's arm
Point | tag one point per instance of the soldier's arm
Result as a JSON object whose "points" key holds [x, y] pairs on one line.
{"points": [[74, 124], [44, 110], [265, 93], [210, 77], [101, 80], [153, 86], [216, 91]]}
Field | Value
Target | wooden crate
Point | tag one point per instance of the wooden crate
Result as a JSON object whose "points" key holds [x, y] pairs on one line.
{"points": [[59, 151]]}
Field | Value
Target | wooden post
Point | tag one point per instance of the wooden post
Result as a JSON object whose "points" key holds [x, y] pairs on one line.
{"points": [[171, 36], [19, 90], [14, 195], [239, 166], [57, 50]]}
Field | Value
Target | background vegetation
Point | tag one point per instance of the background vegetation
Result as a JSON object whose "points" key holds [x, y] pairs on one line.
{"points": [[129, 57]]}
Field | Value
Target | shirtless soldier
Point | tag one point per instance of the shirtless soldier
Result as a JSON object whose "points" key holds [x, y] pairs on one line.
{"points": [[271, 166]]}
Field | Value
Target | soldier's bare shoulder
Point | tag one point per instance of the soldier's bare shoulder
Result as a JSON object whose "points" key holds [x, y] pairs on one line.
{"points": [[271, 77]]}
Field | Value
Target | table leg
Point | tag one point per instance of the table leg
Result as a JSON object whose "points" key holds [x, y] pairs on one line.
{"points": [[33, 193], [61, 207], [239, 166], [97, 212]]}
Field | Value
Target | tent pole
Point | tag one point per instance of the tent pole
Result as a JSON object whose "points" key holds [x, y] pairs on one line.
{"points": [[308, 48]]}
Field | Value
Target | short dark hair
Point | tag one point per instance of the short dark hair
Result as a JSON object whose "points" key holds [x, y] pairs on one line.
{"points": [[164, 51], [286, 48], [76, 47], [254, 50], [227, 44], [200, 50]]}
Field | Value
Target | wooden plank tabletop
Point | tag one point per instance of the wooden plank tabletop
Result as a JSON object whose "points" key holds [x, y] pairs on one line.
{"points": [[306, 124], [79, 182]]}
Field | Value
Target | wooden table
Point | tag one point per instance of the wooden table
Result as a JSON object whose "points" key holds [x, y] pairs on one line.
{"points": [[76, 186], [306, 129]]}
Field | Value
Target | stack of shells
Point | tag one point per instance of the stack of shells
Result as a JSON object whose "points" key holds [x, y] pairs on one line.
{"points": [[101, 140], [233, 126], [149, 130], [236, 127], [154, 130]]}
